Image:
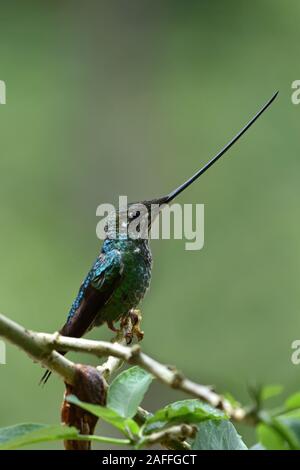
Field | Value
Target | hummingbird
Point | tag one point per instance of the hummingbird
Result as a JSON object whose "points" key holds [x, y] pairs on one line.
{"points": [[120, 277]]}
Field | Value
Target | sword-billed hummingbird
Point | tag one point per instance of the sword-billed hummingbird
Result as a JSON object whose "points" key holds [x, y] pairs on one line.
{"points": [[120, 276]]}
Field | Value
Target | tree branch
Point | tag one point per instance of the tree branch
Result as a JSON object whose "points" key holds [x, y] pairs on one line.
{"points": [[173, 433], [42, 346], [170, 442], [36, 348]]}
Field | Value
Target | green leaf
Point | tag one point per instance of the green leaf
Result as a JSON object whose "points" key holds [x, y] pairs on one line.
{"points": [[293, 402], [270, 391], [217, 435], [184, 411], [270, 438], [126, 425], [20, 435], [288, 425], [127, 391]]}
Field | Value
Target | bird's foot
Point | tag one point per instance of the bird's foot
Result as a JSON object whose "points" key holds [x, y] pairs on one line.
{"points": [[112, 327], [131, 325], [136, 320]]}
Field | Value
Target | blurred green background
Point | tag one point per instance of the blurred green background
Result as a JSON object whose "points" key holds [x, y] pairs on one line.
{"points": [[109, 98]]}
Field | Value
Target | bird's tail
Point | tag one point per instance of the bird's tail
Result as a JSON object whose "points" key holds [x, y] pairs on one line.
{"points": [[48, 372], [72, 328], [45, 377]]}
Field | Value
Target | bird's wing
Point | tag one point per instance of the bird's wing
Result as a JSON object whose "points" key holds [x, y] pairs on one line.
{"points": [[94, 292]]}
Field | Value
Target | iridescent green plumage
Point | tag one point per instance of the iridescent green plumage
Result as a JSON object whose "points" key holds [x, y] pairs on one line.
{"points": [[119, 279]]}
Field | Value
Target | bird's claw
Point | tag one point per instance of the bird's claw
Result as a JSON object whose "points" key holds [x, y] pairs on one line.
{"points": [[136, 320], [112, 327], [131, 325]]}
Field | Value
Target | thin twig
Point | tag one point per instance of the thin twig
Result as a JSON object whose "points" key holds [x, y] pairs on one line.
{"points": [[170, 442], [178, 432], [113, 363]]}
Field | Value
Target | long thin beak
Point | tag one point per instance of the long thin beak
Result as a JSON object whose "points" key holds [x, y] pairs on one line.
{"points": [[200, 172]]}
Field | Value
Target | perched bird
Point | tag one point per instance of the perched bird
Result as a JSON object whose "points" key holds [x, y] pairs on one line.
{"points": [[120, 276]]}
